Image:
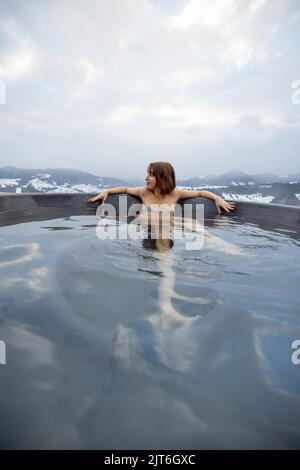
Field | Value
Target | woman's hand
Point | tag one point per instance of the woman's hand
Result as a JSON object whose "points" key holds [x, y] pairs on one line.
{"points": [[226, 206], [102, 196]]}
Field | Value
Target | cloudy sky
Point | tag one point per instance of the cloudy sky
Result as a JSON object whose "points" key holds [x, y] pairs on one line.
{"points": [[107, 86]]}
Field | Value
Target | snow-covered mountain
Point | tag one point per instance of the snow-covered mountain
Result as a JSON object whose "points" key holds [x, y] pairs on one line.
{"points": [[234, 185], [239, 186], [239, 178], [53, 180]]}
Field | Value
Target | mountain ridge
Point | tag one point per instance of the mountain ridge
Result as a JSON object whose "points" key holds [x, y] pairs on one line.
{"points": [[232, 185]]}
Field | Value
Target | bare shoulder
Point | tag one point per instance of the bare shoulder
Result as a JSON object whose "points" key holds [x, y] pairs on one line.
{"points": [[139, 191], [177, 193]]}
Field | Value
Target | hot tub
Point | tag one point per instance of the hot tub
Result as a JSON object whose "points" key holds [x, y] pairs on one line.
{"points": [[110, 344]]}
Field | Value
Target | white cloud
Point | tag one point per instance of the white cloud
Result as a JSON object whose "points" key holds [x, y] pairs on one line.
{"points": [[256, 5], [108, 79], [210, 14], [86, 76], [17, 64], [123, 114], [23, 58]]}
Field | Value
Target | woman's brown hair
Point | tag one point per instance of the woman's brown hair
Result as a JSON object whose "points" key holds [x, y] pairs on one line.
{"points": [[164, 174]]}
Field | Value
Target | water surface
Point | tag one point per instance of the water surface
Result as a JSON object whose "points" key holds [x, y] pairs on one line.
{"points": [[111, 344]]}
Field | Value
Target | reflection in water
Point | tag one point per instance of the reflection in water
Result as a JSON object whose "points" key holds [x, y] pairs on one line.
{"points": [[159, 238], [194, 372], [39, 349], [18, 253], [34, 279], [149, 332], [162, 229]]}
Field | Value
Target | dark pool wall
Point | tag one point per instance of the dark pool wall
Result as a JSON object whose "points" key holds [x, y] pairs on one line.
{"points": [[16, 208]]}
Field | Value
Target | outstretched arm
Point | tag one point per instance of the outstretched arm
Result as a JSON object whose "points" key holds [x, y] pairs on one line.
{"points": [[120, 190], [220, 203]]}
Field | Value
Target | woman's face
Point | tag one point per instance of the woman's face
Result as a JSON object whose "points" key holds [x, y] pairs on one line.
{"points": [[150, 181]]}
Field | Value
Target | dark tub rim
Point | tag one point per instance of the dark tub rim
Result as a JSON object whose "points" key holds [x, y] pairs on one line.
{"points": [[16, 208]]}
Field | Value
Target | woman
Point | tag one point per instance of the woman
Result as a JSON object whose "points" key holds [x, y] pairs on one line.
{"points": [[159, 199], [161, 189]]}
